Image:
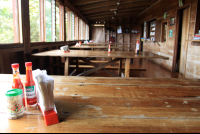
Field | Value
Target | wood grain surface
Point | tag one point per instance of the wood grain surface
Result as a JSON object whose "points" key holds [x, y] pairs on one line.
{"points": [[87, 53], [120, 105]]}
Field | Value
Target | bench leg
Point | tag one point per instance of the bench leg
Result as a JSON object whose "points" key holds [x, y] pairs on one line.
{"points": [[77, 65], [120, 68], [66, 69], [127, 67]]}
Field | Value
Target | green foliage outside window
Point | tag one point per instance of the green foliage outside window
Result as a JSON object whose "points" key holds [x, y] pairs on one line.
{"points": [[34, 20], [48, 20], [6, 22]]}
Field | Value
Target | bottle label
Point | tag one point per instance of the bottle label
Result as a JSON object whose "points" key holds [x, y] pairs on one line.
{"points": [[30, 92], [137, 47]]}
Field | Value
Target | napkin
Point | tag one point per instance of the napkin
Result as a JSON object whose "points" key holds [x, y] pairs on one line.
{"points": [[65, 48]]}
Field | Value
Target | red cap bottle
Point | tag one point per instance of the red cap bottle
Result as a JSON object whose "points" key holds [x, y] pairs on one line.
{"points": [[30, 85]]}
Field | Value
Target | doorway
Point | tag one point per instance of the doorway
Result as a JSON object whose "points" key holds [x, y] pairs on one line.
{"points": [[182, 44]]}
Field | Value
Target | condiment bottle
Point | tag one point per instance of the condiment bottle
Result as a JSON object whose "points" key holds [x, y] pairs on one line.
{"points": [[137, 48], [17, 84], [109, 49], [30, 85], [15, 108]]}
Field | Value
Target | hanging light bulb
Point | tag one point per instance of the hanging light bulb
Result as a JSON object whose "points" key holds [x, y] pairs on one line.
{"points": [[115, 12], [112, 17]]}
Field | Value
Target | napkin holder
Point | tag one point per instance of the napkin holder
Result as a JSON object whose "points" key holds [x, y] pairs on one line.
{"points": [[49, 111]]}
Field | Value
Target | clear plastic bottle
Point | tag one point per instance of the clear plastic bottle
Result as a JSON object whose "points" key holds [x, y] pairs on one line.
{"points": [[17, 84], [30, 86]]}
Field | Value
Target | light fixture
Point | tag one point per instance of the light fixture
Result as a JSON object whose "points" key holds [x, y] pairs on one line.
{"points": [[99, 22], [113, 9], [96, 21], [104, 22], [112, 17], [115, 12], [118, 3]]}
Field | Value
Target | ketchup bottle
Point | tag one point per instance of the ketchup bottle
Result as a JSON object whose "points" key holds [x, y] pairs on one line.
{"points": [[17, 84], [30, 85], [109, 49]]}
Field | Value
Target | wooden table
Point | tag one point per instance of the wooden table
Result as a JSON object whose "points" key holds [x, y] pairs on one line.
{"points": [[99, 47], [114, 105], [118, 55]]}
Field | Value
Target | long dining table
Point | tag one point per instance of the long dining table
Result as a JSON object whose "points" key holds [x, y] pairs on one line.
{"points": [[99, 47], [112, 105], [115, 55]]}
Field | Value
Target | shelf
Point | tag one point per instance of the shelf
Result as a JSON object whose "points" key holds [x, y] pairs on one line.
{"points": [[194, 40]]}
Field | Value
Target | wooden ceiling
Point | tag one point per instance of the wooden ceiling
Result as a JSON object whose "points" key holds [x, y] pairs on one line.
{"points": [[102, 10]]}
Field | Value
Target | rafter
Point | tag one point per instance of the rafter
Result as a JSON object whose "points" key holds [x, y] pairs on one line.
{"points": [[119, 11], [107, 3], [124, 6], [82, 2], [111, 15]]}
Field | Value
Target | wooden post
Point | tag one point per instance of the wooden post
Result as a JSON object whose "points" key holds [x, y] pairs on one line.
{"points": [[127, 67], [66, 69], [120, 68]]}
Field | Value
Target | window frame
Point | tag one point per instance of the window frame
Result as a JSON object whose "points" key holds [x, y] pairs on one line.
{"points": [[42, 16]]}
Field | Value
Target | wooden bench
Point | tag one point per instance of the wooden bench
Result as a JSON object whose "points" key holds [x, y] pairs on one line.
{"points": [[108, 67]]}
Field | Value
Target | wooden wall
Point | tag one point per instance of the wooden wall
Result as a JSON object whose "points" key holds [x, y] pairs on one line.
{"points": [[103, 34], [167, 48]]}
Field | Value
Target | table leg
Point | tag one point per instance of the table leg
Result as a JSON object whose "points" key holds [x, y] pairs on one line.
{"points": [[127, 67], [77, 65], [120, 68], [66, 69]]}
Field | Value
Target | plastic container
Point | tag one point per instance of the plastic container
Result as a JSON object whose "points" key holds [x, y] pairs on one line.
{"points": [[30, 86], [15, 109], [17, 84]]}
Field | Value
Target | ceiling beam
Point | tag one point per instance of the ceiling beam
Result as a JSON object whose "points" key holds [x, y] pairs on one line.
{"points": [[72, 8], [109, 18], [118, 11], [107, 3], [124, 6], [82, 2], [118, 15], [98, 10]]}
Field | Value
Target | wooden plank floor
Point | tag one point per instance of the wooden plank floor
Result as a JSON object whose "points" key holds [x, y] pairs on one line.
{"points": [[152, 70]]}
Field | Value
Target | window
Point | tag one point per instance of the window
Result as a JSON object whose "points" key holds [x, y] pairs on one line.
{"points": [[72, 26], [152, 29], [66, 23], [76, 27], [10, 21], [81, 30], [86, 33], [46, 21], [34, 13]]}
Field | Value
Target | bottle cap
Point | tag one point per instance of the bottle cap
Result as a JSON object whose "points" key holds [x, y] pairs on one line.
{"points": [[15, 65], [13, 92], [137, 41], [28, 64]]}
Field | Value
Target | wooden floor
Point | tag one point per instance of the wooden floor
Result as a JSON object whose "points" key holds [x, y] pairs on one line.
{"points": [[152, 70]]}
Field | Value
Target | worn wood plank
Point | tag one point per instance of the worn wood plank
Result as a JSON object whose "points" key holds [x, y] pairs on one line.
{"points": [[146, 105], [158, 82]]}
